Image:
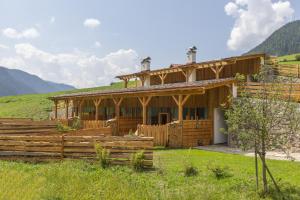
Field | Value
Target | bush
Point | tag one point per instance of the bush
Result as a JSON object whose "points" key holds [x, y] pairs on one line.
{"points": [[63, 128], [297, 57], [76, 124], [190, 170], [219, 171], [137, 160], [102, 155]]}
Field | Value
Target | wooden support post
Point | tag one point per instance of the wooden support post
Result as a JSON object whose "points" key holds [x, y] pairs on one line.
{"points": [[67, 108], [144, 101], [117, 102], [217, 70], [55, 109], [180, 102], [125, 83], [162, 78], [97, 103], [80, 108]]}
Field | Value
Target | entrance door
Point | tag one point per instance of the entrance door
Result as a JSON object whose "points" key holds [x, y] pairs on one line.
{"points": [[163, 118], [219, 122]]}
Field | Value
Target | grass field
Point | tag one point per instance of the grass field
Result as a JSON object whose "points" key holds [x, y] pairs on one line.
{"points": [[72, 180], [288, 59], [37, 106]]}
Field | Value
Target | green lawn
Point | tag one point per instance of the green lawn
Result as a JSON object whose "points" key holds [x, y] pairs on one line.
{"points": [[288, 59], [80, 180], [37, 106]]}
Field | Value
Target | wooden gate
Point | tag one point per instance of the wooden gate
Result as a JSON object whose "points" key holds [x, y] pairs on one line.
{"points": [[175, 134], [158, 132]]}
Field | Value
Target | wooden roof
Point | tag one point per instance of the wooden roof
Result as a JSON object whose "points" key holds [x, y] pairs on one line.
{"points": [[196, 87], [201, 65]]}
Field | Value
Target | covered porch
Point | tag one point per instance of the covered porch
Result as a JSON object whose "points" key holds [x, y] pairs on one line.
{"points": [[190, 106]]}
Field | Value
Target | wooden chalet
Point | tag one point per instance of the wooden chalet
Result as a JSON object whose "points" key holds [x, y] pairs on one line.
{"points": [[187, 96]]}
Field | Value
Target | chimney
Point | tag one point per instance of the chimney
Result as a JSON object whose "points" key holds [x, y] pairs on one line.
{"points": [[191, 54], [145, 64]]}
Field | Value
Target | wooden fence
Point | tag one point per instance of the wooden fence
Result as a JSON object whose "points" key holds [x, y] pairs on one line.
{"points": [[196, 132], [188, 133], [287, 70], [158, 132], [127, 124], [255, 88], [26, 126], [69, 146]]}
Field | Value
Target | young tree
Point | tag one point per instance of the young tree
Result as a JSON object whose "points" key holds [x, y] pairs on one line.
{"points": [[264, 117]]}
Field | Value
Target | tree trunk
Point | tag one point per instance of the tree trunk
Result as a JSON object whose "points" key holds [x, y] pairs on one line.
{"points": [[264, 169], [256, 167]]}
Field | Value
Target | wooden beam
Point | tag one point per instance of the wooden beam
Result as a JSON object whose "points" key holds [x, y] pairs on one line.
{"points": [[180, 108], [67, 108], [80, 108], [55, 109], [125, 83], [185, 99], [97, 103], [144, 101], [162, 78], [182, 99]]}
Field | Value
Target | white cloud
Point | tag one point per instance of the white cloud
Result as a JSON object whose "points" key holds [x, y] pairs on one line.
{"points": [[77, 68], [97, 44], [255, 20], [2, 46], [91, 23], [52, 20], [14, 34]]}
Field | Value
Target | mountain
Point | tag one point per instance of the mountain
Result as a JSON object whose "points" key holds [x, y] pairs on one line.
{"points": [[284, 41], [15, 82]]}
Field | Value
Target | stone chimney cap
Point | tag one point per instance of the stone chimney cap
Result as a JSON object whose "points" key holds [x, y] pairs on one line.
{"points": [[192, 49], [147, 59]]}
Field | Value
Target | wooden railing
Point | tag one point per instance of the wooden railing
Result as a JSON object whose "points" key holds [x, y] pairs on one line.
{"points": [[55, 147], [256, 88], [158, 132], [93, 124], [287, 70]]}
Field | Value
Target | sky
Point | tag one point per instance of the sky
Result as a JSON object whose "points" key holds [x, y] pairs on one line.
{"points": [[86, 43]]}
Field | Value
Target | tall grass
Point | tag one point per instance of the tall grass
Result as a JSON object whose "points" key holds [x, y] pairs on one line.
{"points": [[71, 180]]}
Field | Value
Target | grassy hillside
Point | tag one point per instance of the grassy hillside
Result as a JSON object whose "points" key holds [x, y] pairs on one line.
{"points": [[37, 106], [289, 59], [285, 40], [72, 180]]}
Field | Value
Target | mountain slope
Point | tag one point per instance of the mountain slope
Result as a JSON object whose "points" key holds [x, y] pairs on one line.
{"points": [[284, 41], [38, 106], [15, 82]]}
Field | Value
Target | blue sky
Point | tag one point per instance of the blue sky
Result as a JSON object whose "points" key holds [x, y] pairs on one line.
{"points": [[50, 38]]}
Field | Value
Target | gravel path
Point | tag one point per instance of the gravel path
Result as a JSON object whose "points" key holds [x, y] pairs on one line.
{"points": [[270, 155]]}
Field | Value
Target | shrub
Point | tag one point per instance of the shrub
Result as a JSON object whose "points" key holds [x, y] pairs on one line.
{"points": [[76, 124], [190, 170], [219, 171], [137, 160], [102, 155], [297, 57], [130, 132], [63, 128]]}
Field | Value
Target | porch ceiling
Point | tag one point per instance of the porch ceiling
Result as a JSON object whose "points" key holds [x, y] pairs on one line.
{"points": [[196, 87]]}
